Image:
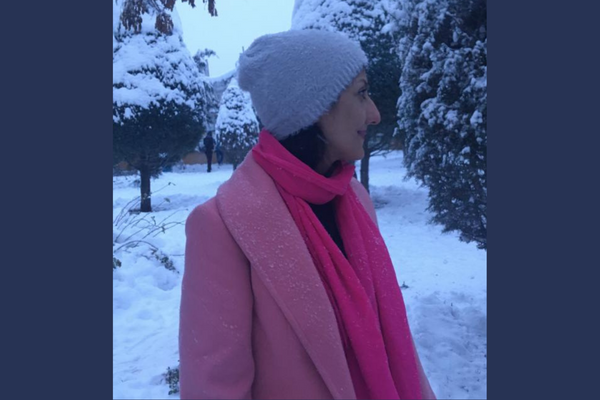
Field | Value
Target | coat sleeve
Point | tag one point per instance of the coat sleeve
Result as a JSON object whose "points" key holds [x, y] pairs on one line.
{"points": [[364, 198], [215, 329]]}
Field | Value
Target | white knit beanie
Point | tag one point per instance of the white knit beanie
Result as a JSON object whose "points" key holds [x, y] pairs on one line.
{"points": [[294, 77]]}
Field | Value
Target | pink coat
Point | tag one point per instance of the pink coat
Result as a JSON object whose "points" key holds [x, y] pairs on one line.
{"points": [[256, 321]]}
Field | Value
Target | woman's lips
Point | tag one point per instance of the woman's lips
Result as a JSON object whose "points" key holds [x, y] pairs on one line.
{"points": [[362, 133]]}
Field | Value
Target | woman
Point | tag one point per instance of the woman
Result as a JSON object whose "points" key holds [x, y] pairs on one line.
{"points": [[289, 291]]}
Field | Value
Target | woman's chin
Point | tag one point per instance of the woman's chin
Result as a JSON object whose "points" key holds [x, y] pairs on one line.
{"points": [[356, 156]]}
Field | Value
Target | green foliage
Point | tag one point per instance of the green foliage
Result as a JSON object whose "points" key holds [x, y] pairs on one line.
{"points": [[172, 378], [237, 126], [156, 136], [443, 111], [201, 60], [159, 97]]}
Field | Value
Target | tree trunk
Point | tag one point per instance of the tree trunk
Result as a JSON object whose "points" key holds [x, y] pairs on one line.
{"points": [[145, 189], [364, 164]]}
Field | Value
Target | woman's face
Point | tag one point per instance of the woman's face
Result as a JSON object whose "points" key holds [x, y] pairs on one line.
{"points": [[345, 125]]}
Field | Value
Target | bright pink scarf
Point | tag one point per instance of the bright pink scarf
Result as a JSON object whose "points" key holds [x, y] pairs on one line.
{"points": [[363, 288]]}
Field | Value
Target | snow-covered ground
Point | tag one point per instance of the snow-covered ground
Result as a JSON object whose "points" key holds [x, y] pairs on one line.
{"points": [[443, 280]]}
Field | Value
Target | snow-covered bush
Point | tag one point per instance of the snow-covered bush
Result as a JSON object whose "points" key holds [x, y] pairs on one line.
{"points": [[443, 110], [237, 126], [212, 103], [159, 97]]}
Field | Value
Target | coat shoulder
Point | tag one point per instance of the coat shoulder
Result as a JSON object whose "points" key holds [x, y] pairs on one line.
{"points": [[205, 214], [206, 228]]}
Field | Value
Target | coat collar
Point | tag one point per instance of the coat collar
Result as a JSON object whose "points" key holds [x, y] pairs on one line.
{"points": [[262, 226]]}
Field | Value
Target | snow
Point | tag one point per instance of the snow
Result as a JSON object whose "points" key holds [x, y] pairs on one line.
{"points": [[140, 53], [476, 118], [235, 110], [149, 67], [349, 17], [444, 282], [225, 76]]}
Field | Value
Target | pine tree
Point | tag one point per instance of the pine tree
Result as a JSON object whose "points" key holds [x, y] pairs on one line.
{"points": [[201, 60], [159, 98], [443, 111], [212, 103], [370, 23], [237, 126]]}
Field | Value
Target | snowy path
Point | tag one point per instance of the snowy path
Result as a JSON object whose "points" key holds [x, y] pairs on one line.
{"points": [[444, 284]]}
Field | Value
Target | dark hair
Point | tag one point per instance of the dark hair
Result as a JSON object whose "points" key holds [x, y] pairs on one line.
{"points": [[308, 145]]}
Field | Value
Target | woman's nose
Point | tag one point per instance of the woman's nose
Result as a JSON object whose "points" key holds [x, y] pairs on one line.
{"points": [[374, 118]]}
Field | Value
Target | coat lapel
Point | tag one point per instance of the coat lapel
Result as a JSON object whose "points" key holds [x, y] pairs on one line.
{"points": [[261, 224]]}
